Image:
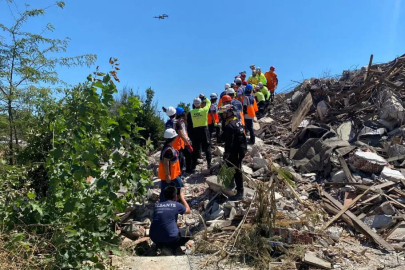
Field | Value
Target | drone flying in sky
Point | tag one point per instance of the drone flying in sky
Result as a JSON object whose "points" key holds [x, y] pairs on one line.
{"points": [[161, 17]]}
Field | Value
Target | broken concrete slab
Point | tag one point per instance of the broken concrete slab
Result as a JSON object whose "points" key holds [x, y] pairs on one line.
{"points": [[367, 162], [386, 208], [216, 187], [151, 263], [391, 175], [312, 259], [265, 120], [379, 221], [398, 234], [346, 131]]}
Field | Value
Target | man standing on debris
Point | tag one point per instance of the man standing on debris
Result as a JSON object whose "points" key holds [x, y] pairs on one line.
{"points": [[163, 230], [249, 111], [235, 147], [184, 143], [212, 118], [265, 92], [253, 79], [272, 81], [199, 117], [236, 104], [261, 76], [261, 101], [169, 166]]}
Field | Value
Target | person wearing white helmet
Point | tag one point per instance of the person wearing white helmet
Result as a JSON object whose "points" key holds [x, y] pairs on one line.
{"points": [[171, 113], [169, 166], [213, 118], [201, 137], [237, 105]]}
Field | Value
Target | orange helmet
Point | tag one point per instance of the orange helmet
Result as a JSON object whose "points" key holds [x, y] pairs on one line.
{"points": [[226, 98]]}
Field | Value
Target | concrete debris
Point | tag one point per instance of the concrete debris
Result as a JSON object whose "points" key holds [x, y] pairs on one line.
{"points": [[367, 162], [379, 221], [391, 175], [259, 163]]}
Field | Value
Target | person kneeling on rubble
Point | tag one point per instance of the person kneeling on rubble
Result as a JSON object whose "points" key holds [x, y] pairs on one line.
{"points": [[235, 147], [163, 230]]}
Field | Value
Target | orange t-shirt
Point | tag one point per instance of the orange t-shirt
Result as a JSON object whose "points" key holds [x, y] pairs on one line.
{"points": [[272, 80]]}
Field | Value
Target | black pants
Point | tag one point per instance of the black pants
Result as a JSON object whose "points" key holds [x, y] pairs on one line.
{"points": [[249, 127], [201, 139], [180, 241], [272, 97], [182, 161], [262, 106], [211, 128], [235, 160], [187, 157]]}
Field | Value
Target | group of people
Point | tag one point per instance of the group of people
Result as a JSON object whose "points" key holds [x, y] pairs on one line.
{"points": [[230, 116]]}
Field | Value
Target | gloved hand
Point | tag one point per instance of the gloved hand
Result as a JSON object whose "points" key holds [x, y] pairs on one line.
{"points": [[164, 109], [190, 148]]}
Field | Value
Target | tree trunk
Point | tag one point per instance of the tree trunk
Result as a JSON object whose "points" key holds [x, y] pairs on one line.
{"points": [[10, 120]]}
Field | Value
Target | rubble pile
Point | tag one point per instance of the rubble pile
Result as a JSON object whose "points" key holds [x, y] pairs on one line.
{"points": [[326, 176]]}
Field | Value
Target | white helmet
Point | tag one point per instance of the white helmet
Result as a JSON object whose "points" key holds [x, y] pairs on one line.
{"points": [[197, 102], [213, 95], [230, 91], [238, 80], [227, 86], [170, 133], [260, 84], [170, 111]]}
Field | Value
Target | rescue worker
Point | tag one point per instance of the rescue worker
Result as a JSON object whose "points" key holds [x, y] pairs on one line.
{"points": [[242, 75], [239, 87], [235, 147], [272, 81], [199, 117], [252, 67], [249, 111], [213, 118], [227, 86], [253, 78], [261, 101], [261, 76], [179, 142], [185, 148], [265, 92], [169, 165], [163, 230], [237, 105]]}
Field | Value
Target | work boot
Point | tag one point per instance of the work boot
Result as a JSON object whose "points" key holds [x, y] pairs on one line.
{"points": [[238, 196]]}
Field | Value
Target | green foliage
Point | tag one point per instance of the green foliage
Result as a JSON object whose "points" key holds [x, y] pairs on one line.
{"points": [[286, 175], [28, 59], [186, 107], [72, 139], [225, 175]]}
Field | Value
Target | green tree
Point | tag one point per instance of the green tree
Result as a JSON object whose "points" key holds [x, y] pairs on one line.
{"points": [[28, 59], [185, 106]]}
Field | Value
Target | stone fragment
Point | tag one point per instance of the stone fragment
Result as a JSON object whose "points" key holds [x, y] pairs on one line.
{"points": [[312, 259], [334, 232], [385, 208], [259, 163], [219, 151], [378, 221], [266, 120], [391, 175], [338, 176], [398, 234]]}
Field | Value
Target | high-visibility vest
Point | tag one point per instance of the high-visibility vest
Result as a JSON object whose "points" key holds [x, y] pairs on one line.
{"points": [[174, 165], [178, 142], [255, 106], [251, 106], [199, 116], [215, 113]]}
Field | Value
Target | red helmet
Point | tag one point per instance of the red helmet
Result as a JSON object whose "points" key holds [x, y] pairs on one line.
{"points": [[226, 98], [245, 83], [272, 68]]}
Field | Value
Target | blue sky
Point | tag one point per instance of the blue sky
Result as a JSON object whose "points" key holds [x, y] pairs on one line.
{"points": [[204, 44]]}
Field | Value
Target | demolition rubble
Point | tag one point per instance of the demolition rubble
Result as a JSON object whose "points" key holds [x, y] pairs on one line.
{"points": [[325, 178]]}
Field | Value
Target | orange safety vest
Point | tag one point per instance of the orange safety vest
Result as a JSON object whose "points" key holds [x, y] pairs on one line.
{"points": [[251, 110], [255, 106], [272, 80], [209, 117], [174, 166]]}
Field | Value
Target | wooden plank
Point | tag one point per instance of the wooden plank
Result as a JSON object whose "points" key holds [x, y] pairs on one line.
{"points": [[371, 234], [346, 170], [301, 112], [345, 208], [369, 68]]}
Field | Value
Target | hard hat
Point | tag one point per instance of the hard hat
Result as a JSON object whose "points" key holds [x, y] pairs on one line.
{"points": [[170, 111], [244, 82], [227, 86], [233, 84], [226, 98], [242, 73], [248, 92], [254, 72], [230, 91], [170, 133], [213, 95], [238, 80], [260, 84], [227, 108], [197, 102], [258, 69], [272, 68], [249, 87], [179, 110], [257, 87]]}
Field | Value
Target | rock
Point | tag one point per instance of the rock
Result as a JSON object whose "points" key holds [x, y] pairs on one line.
{"points": [[215, 186], [259, 142], [277, 196], [266, 120], [259, 172], [392, 175], [378, 221], [346, 131], [322, 109], [338, 176], [133, 231], [398, 234], [312, 259], [259, 163], [255, 152], [334, 232], [256, 126], [219, 151], [385, 208], [367, 162], [392, 108], [247, 170], [232, 214]]}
